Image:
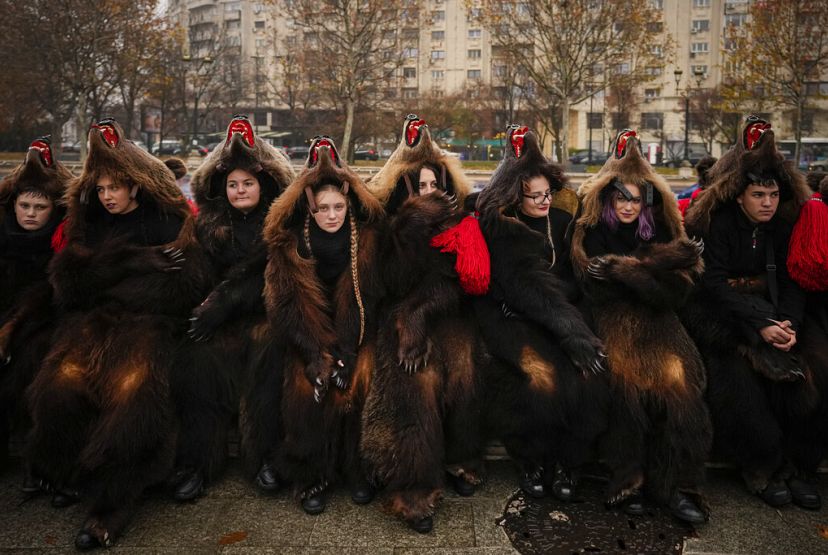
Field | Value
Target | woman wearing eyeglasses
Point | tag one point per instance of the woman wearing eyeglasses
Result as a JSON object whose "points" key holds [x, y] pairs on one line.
{"points": [[544, 400], [637, 266]]}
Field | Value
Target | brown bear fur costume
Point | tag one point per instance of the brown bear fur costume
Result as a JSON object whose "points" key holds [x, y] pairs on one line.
{"points": [[659, 432], [422, 417], [320, 326], [207, 396], [25, 293], [103, 420], [768, 406], [542, 399]]}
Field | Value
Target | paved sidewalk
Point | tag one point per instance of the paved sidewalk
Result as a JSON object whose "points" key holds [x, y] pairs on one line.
{"points": [[233, 518]]}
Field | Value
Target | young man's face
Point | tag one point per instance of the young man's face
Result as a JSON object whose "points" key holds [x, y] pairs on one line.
{"points": [[759, 202]]}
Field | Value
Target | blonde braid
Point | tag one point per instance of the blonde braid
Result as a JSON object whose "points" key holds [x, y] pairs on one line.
{"points": [[306, 235], [355, 273]]}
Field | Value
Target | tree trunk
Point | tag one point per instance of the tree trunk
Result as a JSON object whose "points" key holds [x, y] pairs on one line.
{"points": [[349, 126], [563, 140], [82, 126], [798, 132]]}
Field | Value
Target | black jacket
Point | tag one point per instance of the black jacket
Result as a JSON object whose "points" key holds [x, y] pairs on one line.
{"points": [[735, 248]]}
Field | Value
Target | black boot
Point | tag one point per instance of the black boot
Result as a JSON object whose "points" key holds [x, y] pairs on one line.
{"points": [[683, 508], [63, 498], [563, 486], [461, 486], [532, 483], [423, 526], [776, 494], [85, 541], [805, 494], [267, 480], [313, 499], [190, 487], [362, 492]]}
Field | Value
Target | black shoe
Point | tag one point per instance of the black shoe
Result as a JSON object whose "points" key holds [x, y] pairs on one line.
{"points": [[634, 506], [563, 487], [84, 541], [64, 498], [683, 508], [532, 484], [314, 505], [805, 494], [362, 493], [31, 484], [776, 494], [461, 486], [267, 480], [191, 486], [423, 526]]}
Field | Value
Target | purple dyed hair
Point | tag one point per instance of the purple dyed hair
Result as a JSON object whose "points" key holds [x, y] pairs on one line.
{"points": [[646, 224]]}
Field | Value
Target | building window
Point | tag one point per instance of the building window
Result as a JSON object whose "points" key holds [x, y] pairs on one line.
{"points": [[474, 54], [438, 54], [622, 69], [409, 72], [438, 15], [499, 70], [700, 25], [410, 52], [474, 13], [258, 24], [438, 74], [409, 93], [698, 47], [652, 93], [438, 35], [595, 120], [657, 50], [475, 33], [474, 74], [655, 26], [699, 69], [232, 6], [701, 3], [735, 20], [390, 93], [651, 120], [657, 4], [654, 71], [261, 43]]}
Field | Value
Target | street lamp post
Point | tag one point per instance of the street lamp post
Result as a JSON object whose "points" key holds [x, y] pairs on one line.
{"points": [[589, 125], [699, 75], [196, 95]]}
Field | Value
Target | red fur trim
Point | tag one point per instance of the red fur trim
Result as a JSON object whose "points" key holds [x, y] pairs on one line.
{"points": [[193, 207], [808, 252], [59, 238], [472, 264]]}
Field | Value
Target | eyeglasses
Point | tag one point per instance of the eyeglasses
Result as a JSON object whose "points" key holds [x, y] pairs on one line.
{"points": [[540, 198]]}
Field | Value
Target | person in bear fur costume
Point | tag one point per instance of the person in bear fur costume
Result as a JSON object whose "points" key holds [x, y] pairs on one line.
{"points": [[128, 276], [637, 267], [422, 416], [212, 373], [765, 363], [321, 290], [542, 399], [30, 211]]}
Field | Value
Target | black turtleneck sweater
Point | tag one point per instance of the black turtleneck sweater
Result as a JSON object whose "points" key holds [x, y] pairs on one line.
{"points": [[145, 226], [601, 240], [24, 256], [735, 247], [558, 222], [247, 231], [331, 251]]}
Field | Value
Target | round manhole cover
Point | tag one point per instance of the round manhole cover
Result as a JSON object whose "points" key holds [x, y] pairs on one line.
{"points": [[548, 526]]}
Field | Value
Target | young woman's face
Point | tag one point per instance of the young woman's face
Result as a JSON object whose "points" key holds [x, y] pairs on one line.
{"points": [[627, 211], [536, 197], [243, 191], [115, 197], [759, 203], [333, 206], [32, 211], [428, 181]]}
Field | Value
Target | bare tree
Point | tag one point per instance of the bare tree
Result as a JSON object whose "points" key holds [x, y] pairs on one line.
{"points": [[563, 46], [352, 48], [777, 54]]}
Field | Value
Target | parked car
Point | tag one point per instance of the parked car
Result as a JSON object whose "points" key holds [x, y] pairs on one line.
{"points": [[297, 152], [70, 146], [366, 154], [167, 147], [582, 157], [819, 164]]}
